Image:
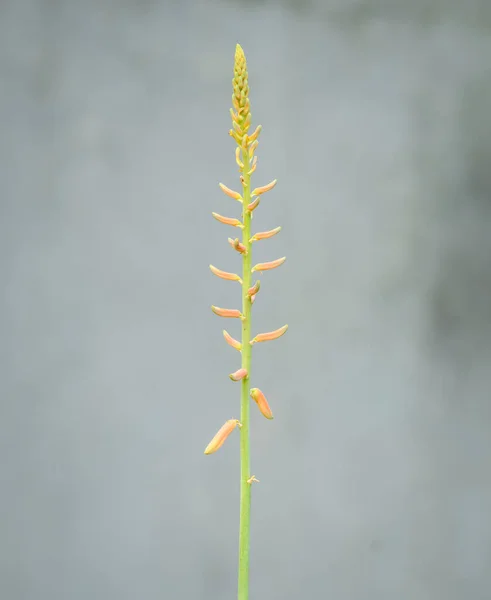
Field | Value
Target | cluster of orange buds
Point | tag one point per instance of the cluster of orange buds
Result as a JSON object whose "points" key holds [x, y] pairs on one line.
{"points": [[247, 162]]}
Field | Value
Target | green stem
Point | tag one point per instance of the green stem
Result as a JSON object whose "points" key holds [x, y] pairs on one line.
{"points": [[245, 487]]}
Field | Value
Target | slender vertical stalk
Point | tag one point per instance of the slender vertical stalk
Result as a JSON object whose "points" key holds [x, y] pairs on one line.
{"points": [[245, 487], [247, 162]]}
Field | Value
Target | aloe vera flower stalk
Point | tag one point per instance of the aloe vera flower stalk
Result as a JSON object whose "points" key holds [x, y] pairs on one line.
{"points": [[247, 162]]}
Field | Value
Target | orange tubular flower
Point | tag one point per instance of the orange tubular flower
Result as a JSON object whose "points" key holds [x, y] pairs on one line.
{"points": [[222, 434], [261, 402], [225, 275], [228, 220], [231, 341], [267, 266], [253, 205], [230, 313], [238, 375], [264, 235], [231, 193], [265, 188], [271, 335]]}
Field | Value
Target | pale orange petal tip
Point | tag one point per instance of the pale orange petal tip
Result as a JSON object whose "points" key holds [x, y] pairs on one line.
{"points": [[232, 341], [230, 313], [229, 192], [265, 188], [270, 335], [221, 435], [260, 399], [267, 266], [238, 375]]}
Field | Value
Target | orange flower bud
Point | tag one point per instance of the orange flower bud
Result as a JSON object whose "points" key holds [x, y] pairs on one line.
{"points": [[271, 335], [228, 220], [237, 158], [265, 188], [235, 135], [253, 137], [264, 235], [231, 193], [267, 266], [236, 245], [253, 205], [261, 402], [253, 147], [222, 434], [238, 375], [234, 116], [253, 298], [231, 313], [247, 122], [225, 275], [253, 166], [231, 341], [252, 291]]}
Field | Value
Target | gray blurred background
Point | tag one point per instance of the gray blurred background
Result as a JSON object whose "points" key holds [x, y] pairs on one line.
{"points": [[376, 472]]}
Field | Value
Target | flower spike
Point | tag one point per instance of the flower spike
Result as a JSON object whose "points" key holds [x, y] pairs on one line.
{"points": [[221, 435], [267, 266], [225, 275], [271, 335], [246, 139]]}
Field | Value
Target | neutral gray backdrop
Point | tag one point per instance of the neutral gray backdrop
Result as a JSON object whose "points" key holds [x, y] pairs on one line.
{"points": [[376, 472]]}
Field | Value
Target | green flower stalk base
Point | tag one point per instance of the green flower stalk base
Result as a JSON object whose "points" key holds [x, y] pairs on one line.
{"points": [[247, 162]]}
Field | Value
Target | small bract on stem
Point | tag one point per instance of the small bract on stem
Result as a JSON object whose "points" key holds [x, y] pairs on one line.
{"points": [[246, 161]]}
